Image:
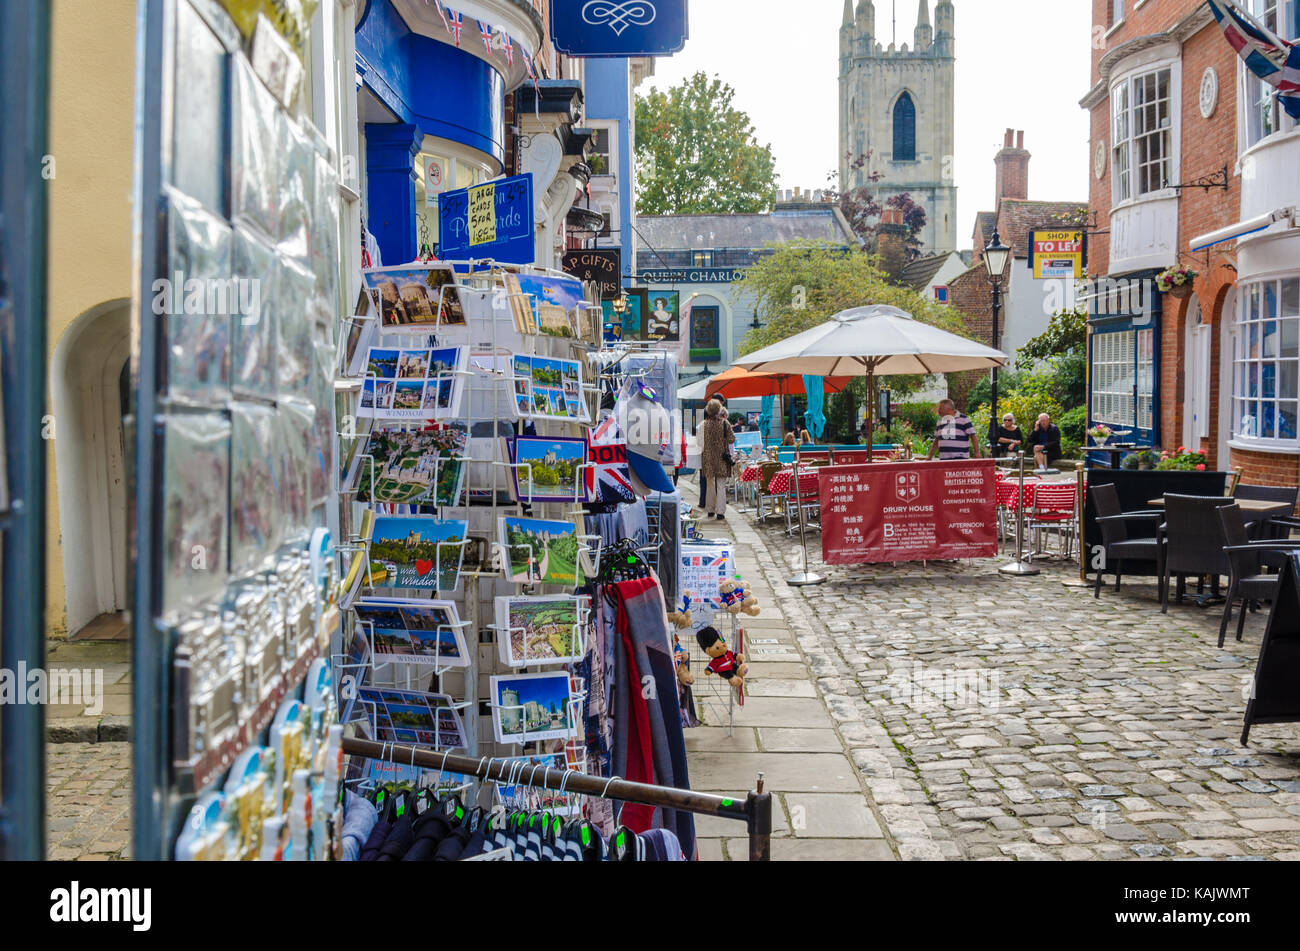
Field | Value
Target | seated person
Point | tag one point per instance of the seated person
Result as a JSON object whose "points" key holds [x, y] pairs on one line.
{"points": [[1007, 438], [1046, 442]]}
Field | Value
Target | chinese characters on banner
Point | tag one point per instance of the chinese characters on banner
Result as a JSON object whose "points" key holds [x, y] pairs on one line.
{"points": [[908, 512]]}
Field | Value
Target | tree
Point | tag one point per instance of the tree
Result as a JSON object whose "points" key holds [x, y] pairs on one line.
{"points": [[862, 209], [696, 153], [804, 283]]}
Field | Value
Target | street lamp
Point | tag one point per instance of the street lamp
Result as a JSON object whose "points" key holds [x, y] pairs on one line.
{"points": [[996, 257]]}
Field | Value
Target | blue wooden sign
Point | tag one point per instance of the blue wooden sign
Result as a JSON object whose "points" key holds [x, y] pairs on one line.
{"points": [[595, 28], [493, 220]]}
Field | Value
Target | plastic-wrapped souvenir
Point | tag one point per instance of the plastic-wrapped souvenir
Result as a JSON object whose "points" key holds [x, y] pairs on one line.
{"points": [[255, 488], [256, 150], [253, 369], [296, 421], [197, 297], [321, 445], [297, 189], [196, 485], [325, 241], [294, 330]]}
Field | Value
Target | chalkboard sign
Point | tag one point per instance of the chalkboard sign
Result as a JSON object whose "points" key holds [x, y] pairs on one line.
{"points": [[493, 220], [1276, 694]]}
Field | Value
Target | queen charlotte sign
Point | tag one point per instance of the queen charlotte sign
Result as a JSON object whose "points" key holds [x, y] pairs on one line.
{"points": [[620, 28]]}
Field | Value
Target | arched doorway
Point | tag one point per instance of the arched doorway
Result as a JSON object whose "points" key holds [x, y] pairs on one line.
{"points": [[90, 395]]}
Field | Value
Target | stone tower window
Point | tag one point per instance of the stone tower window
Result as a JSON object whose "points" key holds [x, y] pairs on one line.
{"points": [[905, 129]]}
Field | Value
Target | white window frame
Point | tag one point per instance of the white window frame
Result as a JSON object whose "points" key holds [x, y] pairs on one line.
{"points": [[1252, 358], [1127, 169], [610, 128], [1258, 98]]}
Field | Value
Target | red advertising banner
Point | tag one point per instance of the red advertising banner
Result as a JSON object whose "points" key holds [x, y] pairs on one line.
{"points": [[910, 511]]}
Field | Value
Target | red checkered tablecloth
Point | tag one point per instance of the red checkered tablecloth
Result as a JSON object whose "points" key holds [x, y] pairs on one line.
{"points": [[782, 483]]}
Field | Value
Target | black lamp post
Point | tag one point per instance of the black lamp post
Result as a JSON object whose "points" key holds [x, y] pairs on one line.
{"points": [[996, 257]]}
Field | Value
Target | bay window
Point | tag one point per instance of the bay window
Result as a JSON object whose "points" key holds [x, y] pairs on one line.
{"points": [[1264, 115], [1266, 363], [1141, 130]]}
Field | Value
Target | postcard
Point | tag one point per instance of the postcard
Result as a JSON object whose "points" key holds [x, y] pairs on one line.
{"points": [[413, 298], [548, 470], [422, 466], [548, 388], [546, 630], [416, 551], [520, 797], [408, 716], [538, 551], [418, 383], [527, 708], [413, 631]]}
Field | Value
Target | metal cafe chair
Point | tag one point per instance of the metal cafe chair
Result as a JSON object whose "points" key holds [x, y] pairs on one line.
{"points": [[1054, 506], [1116, 543], [1250, 581]]}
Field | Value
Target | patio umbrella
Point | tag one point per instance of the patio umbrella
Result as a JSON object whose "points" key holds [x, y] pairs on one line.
{"points": [[739, 383], [872, 341]]}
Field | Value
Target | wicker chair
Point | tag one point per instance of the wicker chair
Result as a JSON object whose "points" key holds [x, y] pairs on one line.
{"points": [[1115, 540], [1194, 541], [1250, 580], [1260, 526]]}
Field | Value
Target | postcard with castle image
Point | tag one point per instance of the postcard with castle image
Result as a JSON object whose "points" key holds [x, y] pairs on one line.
{"points": [[538, 551], [414, 298], [413, 631], [416, 551], [405, 467], [527, 708], [545, 630]]}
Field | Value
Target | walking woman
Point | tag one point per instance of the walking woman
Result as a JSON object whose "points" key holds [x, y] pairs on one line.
{"points": [[716, 439]]}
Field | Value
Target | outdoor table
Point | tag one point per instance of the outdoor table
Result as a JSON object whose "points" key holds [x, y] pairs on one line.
{"points": [[1257, 506], [751, 473], [782, 483], [1114, 451]]}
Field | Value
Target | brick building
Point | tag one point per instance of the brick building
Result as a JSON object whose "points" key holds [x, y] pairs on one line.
{"points": [[1026, 307], [1187, 149]]}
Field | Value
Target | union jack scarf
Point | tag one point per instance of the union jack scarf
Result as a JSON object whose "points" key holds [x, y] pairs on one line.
{"points": [[1269, 57]]}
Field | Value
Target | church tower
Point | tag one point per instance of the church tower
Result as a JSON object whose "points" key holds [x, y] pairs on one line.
{"points": [[898, 104]]}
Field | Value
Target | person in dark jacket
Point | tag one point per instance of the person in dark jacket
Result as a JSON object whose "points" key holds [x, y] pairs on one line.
{"points": [[1046, 442]]}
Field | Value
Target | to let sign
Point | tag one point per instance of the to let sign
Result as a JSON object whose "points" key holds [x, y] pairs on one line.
{"points": [[908, 512], [493, 220], [603, 267], [1057, 254], [621, 28]]}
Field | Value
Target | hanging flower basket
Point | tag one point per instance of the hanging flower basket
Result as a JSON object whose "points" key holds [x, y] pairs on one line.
{"points": [[1177, 280]]}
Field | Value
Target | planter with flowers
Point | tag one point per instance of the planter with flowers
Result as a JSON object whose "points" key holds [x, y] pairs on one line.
{"points": [[1100, 434], [1177, 280], [1182, 460]]}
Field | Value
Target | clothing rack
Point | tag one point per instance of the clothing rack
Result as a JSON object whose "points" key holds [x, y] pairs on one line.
{"points": [[755, 811]]}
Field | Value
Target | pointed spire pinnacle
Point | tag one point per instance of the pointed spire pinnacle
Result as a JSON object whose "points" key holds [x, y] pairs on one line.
{"points": [[848, 13]]}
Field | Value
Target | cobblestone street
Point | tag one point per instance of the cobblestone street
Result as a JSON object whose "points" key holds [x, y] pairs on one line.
{"points": [[1018, 718], [88, 800]]}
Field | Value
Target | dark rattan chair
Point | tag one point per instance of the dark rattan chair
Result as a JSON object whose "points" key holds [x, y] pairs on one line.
{"points": [[1261, 526], [1194, 541], [1250, 579], [1119, 547]]}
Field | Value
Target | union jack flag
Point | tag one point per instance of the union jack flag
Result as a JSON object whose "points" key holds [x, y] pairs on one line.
{"points": [[485, 31], [1269, 57], [455, 23], [608, 478], [509, 49]]}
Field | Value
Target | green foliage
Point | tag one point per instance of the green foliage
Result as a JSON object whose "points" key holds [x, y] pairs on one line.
{"points": [[696, 153], [901, 433], [1066, 333], [1024, 406], [842, 416], [920, 417], [804, 283], [1073, 424], [1182, 461]]}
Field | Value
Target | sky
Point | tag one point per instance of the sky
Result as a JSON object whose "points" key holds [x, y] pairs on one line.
{"points": [[1021, 64]]}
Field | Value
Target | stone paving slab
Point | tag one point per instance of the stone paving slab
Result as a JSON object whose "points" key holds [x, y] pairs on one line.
{"points": [[817, 850], [734, 772], [779, 740], [88, 800]]}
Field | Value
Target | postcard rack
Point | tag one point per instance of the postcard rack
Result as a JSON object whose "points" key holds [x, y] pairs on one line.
{"points": [[755, 810]]}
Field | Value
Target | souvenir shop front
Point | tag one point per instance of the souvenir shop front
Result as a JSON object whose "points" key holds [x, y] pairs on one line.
{"points": [[412, 579]]}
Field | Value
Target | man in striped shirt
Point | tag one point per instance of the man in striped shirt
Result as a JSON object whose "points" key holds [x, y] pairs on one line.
{"points": [[955, 436]]}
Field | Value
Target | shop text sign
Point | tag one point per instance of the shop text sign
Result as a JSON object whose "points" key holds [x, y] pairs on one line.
{"points": [[493, 220], [908, 512], [1056, 254], [603, 267], [619, 27]]}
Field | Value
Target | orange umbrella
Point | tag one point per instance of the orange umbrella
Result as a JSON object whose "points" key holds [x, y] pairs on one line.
{"points": [[738, 383]]}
